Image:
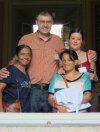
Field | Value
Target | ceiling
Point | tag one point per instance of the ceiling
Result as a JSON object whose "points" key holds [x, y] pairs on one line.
{"points": [[61, 13]]}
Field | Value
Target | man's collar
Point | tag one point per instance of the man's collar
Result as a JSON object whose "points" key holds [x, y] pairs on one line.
{"points": [[44, 38]]}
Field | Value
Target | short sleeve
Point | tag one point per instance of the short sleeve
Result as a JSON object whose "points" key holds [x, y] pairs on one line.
{"points": [[52, 83], [87, 83]]}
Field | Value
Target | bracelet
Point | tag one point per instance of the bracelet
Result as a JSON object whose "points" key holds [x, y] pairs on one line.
{"points": [[96, 78]]}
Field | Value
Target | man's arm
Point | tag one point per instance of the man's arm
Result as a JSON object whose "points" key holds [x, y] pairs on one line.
{"points": [[92, 55], [4, 73]]}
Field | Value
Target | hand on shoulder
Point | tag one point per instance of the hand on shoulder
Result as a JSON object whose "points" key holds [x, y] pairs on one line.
{"points": [[3, 73], [92, 55]]}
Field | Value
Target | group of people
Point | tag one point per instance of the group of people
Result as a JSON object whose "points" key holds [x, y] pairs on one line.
{"points": [[42, 67]]}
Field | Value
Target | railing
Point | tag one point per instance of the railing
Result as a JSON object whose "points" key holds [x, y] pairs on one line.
{"points": [[49, 119]]}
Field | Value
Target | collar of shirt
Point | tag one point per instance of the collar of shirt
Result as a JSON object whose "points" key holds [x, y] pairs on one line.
{"points": [[40, 36]]}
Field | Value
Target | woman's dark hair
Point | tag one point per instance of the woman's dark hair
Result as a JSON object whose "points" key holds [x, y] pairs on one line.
{"points": [[77, 30], [20, 47], [72, 54]]}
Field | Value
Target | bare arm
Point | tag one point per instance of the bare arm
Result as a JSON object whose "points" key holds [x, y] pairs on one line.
{"points": [[93, 73], [87, 97], [3, 72], [51, 101], [92, 55], [2, 86]]}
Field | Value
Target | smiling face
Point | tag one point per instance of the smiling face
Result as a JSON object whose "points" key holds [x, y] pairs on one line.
{"points": [[68, 64], [44, 24], [75, 41], [24, 56]]}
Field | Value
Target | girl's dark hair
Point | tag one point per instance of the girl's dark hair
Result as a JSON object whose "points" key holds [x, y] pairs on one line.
{"points": [[72, 54], [20, 47], [77, 30]]}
